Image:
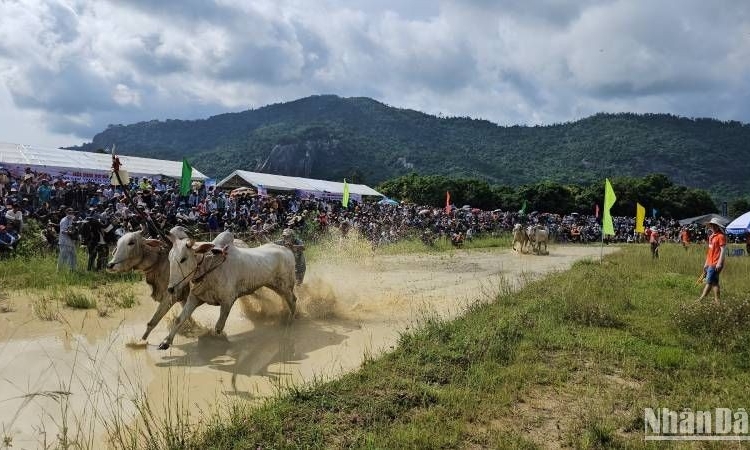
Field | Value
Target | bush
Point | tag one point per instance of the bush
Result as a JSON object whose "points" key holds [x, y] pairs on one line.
{"points": [[78, 300], [31, 242]]}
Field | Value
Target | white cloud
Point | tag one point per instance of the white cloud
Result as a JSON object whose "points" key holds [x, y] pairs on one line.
{"points": [[73, 67]]}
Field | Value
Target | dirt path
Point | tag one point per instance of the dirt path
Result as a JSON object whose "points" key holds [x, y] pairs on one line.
{"points": [[87, 368]]}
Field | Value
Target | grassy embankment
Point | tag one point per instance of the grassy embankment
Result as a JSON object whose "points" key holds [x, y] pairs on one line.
{"points": [[570, 360]]}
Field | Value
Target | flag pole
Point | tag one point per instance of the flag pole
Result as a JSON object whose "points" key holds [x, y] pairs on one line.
{"points": [[116, 170], [601, 249]]}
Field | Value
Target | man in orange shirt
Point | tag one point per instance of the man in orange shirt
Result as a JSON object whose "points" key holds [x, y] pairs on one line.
{"points": [[654, 239], [714, 259], [685, 238]]}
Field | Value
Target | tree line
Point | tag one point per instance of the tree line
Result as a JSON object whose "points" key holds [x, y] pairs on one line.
{"points": [[655, 192]]}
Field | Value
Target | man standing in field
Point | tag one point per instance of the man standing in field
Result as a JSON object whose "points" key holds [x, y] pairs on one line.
{"points": [[714, 264], [67, 242], [685, 238], [654, 238]]}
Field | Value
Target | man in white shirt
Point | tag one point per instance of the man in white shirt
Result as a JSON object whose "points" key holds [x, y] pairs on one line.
{"points": [[67, 242]]}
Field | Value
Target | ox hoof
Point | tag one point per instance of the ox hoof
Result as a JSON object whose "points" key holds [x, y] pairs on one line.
{"points": [[163, 346]]}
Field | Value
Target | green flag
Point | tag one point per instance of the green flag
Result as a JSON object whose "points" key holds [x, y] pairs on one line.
{"points": [[523, 208], [187, 177], [609, 200], [345, 198]]}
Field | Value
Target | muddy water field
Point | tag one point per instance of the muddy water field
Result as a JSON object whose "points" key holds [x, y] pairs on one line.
{"points": [[79, 375]]}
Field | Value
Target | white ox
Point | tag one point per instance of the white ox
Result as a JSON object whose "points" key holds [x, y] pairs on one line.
{"points": [[150, 256], [538, 235], [218, 273], [520, 236]]}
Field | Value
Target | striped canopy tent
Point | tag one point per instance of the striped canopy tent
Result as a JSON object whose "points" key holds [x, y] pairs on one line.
{"points": [[78, 166]]}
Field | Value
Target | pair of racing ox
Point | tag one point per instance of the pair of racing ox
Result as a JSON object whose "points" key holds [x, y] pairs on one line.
{"points": [[535, 236], [193, 273]]}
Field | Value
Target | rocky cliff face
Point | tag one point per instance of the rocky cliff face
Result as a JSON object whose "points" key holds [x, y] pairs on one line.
{"points": [[301, 159]]}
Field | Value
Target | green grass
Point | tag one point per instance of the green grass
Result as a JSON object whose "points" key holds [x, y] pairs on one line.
{"points": [[571, 360], [78, 300], [39, 271]]}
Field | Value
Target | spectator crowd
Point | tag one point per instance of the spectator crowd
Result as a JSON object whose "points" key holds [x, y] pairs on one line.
{"points": [[206, 212]]}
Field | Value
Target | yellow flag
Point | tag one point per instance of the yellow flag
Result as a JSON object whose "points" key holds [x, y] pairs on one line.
{"points": [[345, 197], [640, 216], [609, 200]]}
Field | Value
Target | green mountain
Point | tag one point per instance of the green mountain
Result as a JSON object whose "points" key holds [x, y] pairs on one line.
{"points": [[366, 141]]}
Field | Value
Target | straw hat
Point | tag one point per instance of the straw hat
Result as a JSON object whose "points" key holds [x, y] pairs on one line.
{"points": [[716, 222]]}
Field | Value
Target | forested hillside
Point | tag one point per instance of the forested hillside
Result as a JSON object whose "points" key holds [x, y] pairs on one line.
{"points": [[366, 141]]}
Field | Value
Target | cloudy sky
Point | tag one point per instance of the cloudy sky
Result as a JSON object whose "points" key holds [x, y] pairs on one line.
{"points": [[70, 67]]}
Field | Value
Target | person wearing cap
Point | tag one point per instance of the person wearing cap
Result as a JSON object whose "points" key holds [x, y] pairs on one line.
{"points": [[714, 264], [290, 241], [67, 242]]}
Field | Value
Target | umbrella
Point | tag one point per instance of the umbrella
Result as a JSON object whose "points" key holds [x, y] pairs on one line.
{"points": [[740, 225], [241, 191], [388, 201]]}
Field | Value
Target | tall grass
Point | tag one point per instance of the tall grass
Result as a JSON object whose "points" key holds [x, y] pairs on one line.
{"points": [[46, 307]]}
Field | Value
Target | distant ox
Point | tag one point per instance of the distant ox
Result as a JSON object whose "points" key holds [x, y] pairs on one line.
{"points": [[218, 273], [520, 236], [538, 235]]}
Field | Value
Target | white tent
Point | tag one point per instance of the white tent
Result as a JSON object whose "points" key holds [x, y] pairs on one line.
{"points": [[703, 220], [305, 186], [740, 225], [84, 166]]}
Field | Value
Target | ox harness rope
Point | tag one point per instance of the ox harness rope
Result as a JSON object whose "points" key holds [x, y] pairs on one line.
{"points": [[197, 266], [210, 269]]}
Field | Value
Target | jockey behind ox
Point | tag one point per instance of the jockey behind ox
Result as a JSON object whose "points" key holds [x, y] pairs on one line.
{"points": [[297, 247]]}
